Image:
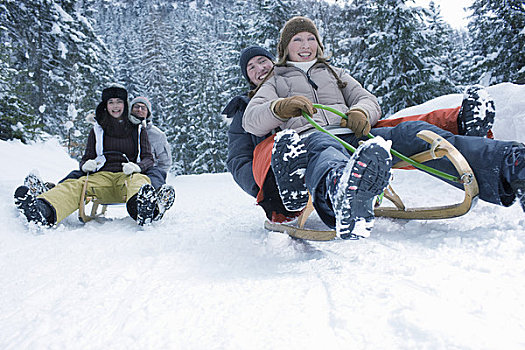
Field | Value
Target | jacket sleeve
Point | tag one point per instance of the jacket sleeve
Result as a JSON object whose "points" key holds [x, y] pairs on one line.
{"points": [[89, 152], [240, 155], [356, 97], [258, 118], [164, 154], [146, 157]]}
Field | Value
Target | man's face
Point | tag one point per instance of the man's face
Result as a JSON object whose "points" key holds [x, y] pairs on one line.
{"points": [[257, 69], [139, 110]]}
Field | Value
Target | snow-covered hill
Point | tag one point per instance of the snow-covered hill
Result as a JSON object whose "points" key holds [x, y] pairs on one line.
{"points": [[210, 277]]}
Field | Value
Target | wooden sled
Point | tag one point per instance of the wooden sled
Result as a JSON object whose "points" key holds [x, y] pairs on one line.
{"points": [[95, 206], [439, 148]]}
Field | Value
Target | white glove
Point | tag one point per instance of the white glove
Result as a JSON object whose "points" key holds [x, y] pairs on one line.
{"points": [[130, 168], [89, 166]]}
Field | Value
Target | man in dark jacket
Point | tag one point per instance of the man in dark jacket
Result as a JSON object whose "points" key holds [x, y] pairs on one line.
{"points": [[255, 63]]}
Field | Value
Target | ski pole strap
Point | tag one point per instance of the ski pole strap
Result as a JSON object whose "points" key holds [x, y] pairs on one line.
{"points": [[394, 152]]}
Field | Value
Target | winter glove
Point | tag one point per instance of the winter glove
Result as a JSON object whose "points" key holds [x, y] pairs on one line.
{"points": [[89, 166], [130, 168], [293, 106], [357, 122]]}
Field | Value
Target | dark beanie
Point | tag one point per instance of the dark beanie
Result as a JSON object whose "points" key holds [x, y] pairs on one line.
{"points": [[114, 91], [250, 52], [294, 26]]}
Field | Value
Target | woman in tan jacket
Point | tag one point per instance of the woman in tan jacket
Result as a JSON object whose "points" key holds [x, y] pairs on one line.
{"points": [[335, 180]]}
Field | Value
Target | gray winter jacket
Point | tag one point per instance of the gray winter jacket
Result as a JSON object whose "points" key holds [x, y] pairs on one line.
{"points": [[320, 86], [159, 147]]}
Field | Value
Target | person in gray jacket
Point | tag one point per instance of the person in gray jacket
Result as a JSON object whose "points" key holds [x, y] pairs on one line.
{"points": [[140, 111]]}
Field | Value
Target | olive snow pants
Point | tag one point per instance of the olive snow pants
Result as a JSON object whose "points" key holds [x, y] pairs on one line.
{"points": [[107, 186]]}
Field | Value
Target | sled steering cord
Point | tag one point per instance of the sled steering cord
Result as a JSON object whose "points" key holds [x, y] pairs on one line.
{"points": [[394, 152]]}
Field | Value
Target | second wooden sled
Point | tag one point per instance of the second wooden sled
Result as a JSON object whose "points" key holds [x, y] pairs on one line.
{"points": [[439, 148]]}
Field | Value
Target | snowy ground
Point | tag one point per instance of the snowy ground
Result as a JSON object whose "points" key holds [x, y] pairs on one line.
{"points": [[210, 277]]}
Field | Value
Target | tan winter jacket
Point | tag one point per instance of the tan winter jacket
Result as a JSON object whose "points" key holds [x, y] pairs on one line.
{"points": [[291, 81]]}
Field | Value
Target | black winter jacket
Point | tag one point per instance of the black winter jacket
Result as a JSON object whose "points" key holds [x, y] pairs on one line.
{"points": [[240, 160], [120, 138], [240, 146]]}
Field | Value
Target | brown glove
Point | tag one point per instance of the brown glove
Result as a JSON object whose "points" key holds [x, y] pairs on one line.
{"points": [[293, 106], [357, 122]]}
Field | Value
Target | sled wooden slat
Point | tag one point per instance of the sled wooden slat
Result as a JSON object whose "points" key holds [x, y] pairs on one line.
{"points": [[301, 233], [94, 208], [391, 195], [301, 220], [96, 203], [440, 148]]}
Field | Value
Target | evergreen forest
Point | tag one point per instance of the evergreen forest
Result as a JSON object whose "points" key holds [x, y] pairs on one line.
{"points": [[56, 56]]}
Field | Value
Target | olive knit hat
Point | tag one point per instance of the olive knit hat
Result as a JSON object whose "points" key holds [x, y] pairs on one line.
{"points": [[294, 26]]}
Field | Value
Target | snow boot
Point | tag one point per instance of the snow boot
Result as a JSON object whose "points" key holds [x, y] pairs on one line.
{"points": [[353, 187], [146, 204], [289, 160], [35, 210], [514, 172], [35, 184], [477, 113], [165, 200]]}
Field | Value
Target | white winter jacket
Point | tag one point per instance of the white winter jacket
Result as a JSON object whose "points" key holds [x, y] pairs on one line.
{"points": [[289, 81]]}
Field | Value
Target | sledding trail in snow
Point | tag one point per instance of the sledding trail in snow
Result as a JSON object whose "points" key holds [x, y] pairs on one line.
{"points": [[210, 277]]}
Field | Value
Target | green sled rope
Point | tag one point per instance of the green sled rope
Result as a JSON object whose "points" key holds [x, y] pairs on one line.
{"points": [[394, 152]]}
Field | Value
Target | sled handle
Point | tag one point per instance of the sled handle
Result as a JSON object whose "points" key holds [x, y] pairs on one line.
{"points": [[394, 152]]}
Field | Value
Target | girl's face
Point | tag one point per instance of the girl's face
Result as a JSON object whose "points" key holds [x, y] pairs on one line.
{"points": [[302, 47], [115, 107]]}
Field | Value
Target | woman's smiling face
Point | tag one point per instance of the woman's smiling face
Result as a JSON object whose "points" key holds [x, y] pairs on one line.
{"points": [[115, 107], [302, 47]]}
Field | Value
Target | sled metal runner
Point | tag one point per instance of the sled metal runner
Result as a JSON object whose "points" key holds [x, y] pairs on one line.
{"points": [[439, 148]]}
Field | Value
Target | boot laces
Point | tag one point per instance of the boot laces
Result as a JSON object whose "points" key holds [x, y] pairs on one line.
{"points": [[513, 160]]}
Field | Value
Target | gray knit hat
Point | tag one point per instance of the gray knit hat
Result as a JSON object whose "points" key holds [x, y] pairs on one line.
{"points": [[139, 99], [294, 26]]}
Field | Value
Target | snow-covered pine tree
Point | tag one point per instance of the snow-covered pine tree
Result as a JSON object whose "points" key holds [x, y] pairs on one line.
{"points": [[17, 117], [400, 62], [86, 76], [210, 137], [239, 33], [460, 59], [497, 28], [441, 49], [350, 47], [183, 114], [269, 18], [155, 66], [47, 37]]}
